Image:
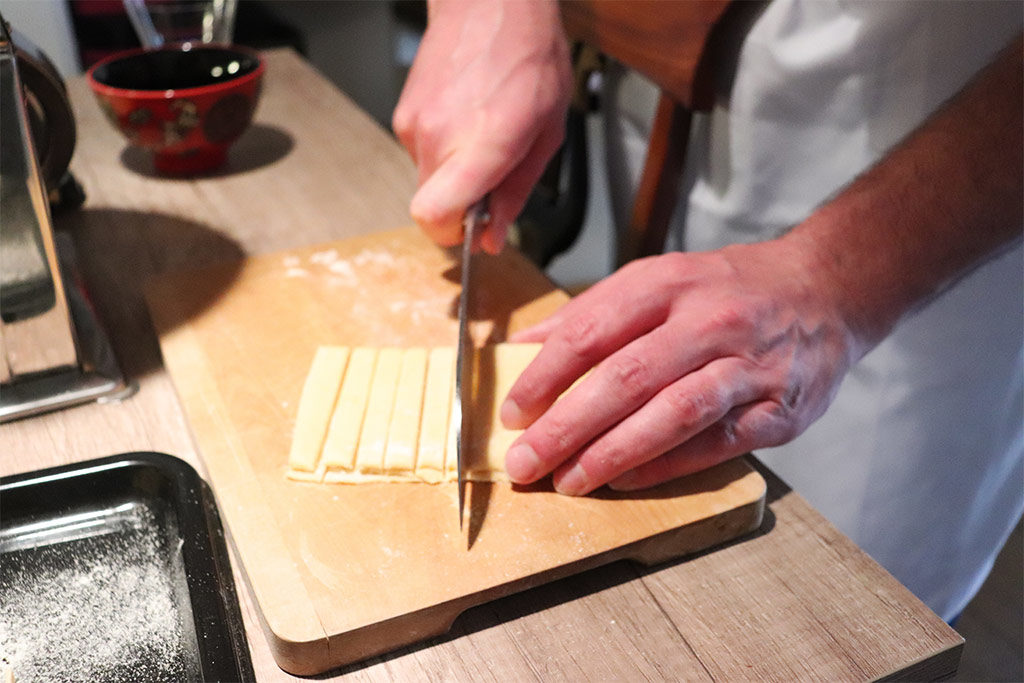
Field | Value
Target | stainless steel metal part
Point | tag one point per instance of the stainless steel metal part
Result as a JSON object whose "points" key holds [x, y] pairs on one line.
{"points": [[476, 216], [50, 355]]}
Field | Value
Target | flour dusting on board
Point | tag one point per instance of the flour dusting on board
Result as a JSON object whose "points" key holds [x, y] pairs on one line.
{"points": [[343, 268], [324, 257], [335, 270], [420, 310], [387, 289], [375, 257]]}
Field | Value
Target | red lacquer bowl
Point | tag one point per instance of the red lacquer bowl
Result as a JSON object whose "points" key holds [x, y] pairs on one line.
{"points": [[186, 103]]}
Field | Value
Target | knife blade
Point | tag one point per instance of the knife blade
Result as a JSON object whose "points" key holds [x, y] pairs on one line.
{"points": [[476, 217]]}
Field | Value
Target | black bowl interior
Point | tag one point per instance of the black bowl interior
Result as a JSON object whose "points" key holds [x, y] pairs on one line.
{"points": [[175, 68]]}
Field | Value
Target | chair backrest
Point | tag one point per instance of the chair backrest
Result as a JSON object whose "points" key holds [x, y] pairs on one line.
{"points": [[674, 44], [665, 40]]}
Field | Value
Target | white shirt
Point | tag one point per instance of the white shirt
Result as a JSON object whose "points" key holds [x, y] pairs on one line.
{"points": [[920, 459]]}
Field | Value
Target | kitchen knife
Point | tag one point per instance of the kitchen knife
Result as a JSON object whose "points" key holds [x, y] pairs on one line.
{"points": [[476, 217]]}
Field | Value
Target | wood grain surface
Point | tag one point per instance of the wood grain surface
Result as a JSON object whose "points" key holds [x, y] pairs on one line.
{"points": [[797, 601], [342, 573]]}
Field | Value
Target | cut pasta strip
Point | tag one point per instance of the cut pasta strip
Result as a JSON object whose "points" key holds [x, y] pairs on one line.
{"points": [[343, 434], [374, 436], [437, 403], [319, 394], [403, 434]]}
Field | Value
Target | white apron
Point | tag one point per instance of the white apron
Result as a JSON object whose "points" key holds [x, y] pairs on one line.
{"points": [[920, 460]]}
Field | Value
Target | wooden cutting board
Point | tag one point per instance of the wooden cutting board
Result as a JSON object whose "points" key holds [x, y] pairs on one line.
{"points": [[340, 572]]}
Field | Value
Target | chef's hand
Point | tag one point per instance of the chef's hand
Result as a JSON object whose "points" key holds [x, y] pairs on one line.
{"points": [[701, 357], [483, 110], [696, 358]]}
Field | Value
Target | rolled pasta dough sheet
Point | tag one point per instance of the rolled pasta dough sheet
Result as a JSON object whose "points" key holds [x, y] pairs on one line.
{"points": [[391, 421]]}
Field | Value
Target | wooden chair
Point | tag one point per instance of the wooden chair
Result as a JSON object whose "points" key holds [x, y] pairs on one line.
{"points": [[677, 44]]}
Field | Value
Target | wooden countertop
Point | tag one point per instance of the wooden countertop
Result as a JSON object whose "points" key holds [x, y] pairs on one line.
{"points": [[798, 600]]}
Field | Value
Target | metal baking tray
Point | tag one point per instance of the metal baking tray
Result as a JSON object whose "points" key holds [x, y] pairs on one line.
{"points": [[116, 569]]}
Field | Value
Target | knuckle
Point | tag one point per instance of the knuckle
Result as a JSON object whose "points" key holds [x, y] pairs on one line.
{"points": [[616, 457], [784, 427], [402, 123], [731, 434], [783, 410], [639, 267], [581, 335], [432, 221], [770, 424], [555, 438], [730, 317], [631, 376], [430, 122], [606, 459], [692, 407], [791, 398]]}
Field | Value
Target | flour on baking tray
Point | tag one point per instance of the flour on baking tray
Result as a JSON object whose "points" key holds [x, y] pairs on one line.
{"points": [[110, 606]]}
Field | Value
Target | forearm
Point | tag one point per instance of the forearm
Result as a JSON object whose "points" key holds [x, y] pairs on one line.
{"points": [[936, 206]]}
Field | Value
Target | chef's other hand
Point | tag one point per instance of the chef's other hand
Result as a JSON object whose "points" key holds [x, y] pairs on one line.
{"points": [[696, 358], [483, 110]]}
